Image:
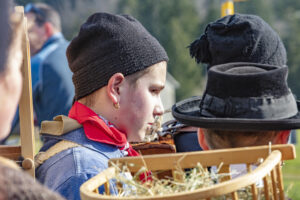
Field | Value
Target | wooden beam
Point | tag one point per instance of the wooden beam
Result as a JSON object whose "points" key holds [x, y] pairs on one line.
{"points": [[25, 104], [208, 158], [10, 152]]}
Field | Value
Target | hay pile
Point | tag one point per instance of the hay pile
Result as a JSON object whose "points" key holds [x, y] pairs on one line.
{"points": [[144, 183]]}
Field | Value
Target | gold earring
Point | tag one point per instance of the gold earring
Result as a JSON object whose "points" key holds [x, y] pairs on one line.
{"points": [[116, 105]]}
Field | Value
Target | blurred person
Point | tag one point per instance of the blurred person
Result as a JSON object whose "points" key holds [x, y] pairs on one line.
{"points": [[52, 86], [119, 71], [14, 183]]}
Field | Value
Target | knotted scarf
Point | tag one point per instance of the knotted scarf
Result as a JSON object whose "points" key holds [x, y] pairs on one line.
{"points": [[99, 129]]}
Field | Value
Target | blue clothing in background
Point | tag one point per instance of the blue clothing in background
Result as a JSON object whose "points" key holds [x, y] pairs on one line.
{"points": [[50, 45], [53, 91], [52, 86], [67, 170]]}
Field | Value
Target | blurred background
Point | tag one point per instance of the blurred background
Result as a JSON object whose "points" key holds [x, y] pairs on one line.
{"points": [[176, 23]]}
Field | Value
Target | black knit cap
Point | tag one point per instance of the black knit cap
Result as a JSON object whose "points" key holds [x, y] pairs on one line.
{"points": [[239, 38], [108, 44]]}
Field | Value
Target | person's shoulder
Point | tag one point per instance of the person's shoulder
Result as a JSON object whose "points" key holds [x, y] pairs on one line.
{"points": [[67, 170], [72, 161]]}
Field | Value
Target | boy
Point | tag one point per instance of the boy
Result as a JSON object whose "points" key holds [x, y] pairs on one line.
{"points": [[119, 70]]}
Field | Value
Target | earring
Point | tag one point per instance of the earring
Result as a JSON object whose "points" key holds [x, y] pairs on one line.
{"points": [[116, 105]]}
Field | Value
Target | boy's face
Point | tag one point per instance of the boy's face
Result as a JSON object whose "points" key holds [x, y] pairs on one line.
{"points": [[140, 102]]}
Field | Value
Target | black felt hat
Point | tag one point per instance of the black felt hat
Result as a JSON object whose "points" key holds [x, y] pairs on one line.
{"points": [[239, 38], [108, 44], [242, 96]]}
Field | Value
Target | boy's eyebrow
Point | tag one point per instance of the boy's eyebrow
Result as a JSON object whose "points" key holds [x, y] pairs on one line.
{"points": [[157, 85]]}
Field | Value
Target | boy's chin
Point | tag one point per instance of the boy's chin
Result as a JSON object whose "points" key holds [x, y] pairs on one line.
{"points": [[138, 137]]}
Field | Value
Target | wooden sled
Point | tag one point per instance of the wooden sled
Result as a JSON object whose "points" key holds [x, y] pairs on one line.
{"points": [[269, 169], [24, 154]]}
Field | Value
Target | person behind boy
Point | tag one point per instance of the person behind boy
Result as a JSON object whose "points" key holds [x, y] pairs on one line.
{"points": [[119, 70], [245, 104], [237, 38]]}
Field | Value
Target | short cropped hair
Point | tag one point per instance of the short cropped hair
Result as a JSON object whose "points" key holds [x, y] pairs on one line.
{"points": [[219, 139], [45, 13]]}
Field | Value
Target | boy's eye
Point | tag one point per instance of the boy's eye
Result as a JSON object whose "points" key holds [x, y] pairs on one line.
{"points": [[155, 91]]}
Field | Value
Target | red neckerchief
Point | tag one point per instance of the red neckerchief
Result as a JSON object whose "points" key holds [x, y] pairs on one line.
{"points": [[96, 129]]}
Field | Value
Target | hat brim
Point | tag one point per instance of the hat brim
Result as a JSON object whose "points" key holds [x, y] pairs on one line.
{"points": [[187, 112]]}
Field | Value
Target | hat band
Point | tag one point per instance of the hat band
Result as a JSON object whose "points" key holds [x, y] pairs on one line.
{"points": [[250, 108]]}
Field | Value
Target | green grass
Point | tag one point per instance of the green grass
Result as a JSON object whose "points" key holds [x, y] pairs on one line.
{"points": [[291, 174]]}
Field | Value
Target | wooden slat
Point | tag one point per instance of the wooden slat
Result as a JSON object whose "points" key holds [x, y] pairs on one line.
{"points": [[274, 184], [106, 186], [234, 196], [208, 158], [10, 152], [25, 104], [266, 188], [224, 169], [280, 182], [253, 186], [96, 190]]}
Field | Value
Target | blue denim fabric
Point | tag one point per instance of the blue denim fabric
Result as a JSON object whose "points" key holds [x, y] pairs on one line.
{"points": [[67, 170]]}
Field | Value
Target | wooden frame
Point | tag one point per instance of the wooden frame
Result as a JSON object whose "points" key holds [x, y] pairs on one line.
{"points": [[247, 155], [26, 151]]}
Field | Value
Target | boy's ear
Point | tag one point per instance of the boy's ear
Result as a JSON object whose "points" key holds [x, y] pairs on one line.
{"points": [[282, 137], [201, 139], [113, 87]]}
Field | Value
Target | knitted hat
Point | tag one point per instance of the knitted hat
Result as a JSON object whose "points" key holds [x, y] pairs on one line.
{"points": [[108, 44], [239, 38], [242, 96]]}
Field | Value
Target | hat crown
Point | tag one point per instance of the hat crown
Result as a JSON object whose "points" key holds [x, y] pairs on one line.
{"points": [[247, 80], [249, 91]]}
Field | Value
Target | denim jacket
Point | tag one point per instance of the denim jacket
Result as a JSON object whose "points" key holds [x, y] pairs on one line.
{"points": [[67, 170]]}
